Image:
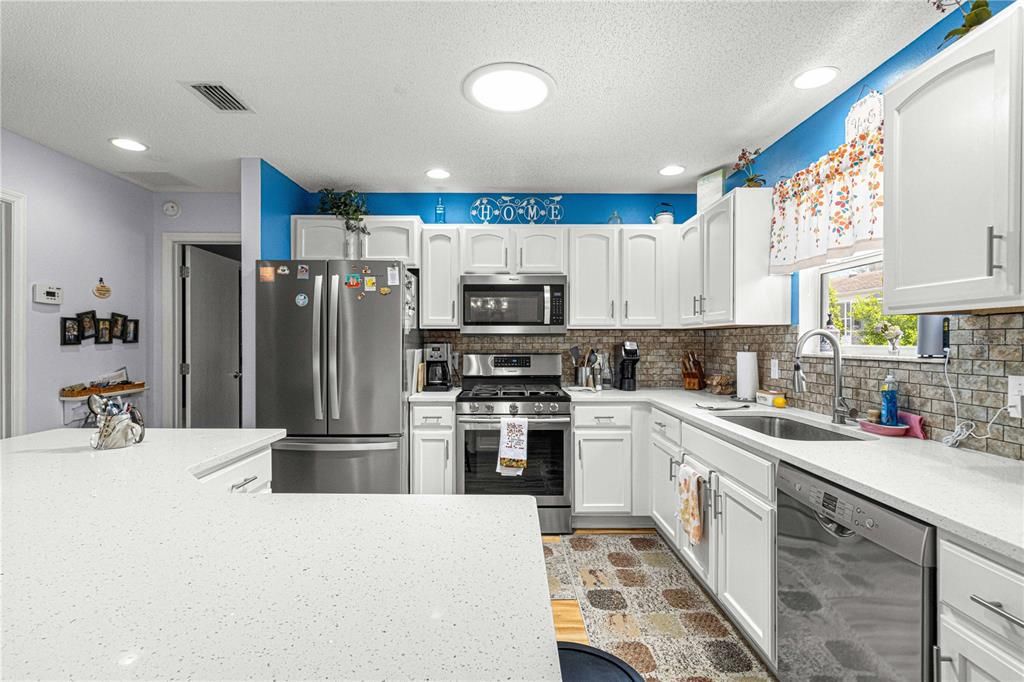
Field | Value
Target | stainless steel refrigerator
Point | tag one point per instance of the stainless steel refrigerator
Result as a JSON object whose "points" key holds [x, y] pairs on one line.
{"points": [[331, 342]]}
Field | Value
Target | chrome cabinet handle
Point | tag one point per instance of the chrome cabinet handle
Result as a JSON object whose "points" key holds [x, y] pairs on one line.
{"points": [[694, 305], [937, 660], [432, 419], [716, 507], [520, 258], [672, 468], [332, 350], [702, 299], [504, 260], [446, 452], [453, 310], [318, 401], [627, 310], [579, 451], [990, 254], [997, 608], [244, 482]]}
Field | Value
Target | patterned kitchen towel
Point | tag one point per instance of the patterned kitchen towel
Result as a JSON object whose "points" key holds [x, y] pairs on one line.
{"points": [[689, 503], [512, 446]]}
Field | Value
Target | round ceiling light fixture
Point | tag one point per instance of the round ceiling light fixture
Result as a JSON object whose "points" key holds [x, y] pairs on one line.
{"points": [[508, 87], [128, 144], [815, 78], [672, 169], [438, 174]]}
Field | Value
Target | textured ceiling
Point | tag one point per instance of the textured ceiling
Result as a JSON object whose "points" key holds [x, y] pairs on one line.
{"points": [[369, 94]]}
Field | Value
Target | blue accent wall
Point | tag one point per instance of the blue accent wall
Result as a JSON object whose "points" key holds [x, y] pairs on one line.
{"points": [[280, 198]]}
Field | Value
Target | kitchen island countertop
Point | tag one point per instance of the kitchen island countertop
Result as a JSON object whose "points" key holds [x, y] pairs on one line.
{"points": [[118, 565]]}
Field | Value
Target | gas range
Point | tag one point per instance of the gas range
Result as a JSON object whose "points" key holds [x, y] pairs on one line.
{"points": [[522, 384]]}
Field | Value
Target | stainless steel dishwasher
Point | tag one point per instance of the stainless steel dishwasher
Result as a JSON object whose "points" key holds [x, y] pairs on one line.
{"points": [[855, 585]]}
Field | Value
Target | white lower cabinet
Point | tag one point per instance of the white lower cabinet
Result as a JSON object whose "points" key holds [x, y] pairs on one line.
{"points": [[431, 462], [665, 489], [968, 656], [603, 472]]}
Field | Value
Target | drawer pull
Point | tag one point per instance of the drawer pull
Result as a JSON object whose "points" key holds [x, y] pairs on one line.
{"points": [[598, 419], [997, 608], [244, 482], [431, 419], [661, 425]]}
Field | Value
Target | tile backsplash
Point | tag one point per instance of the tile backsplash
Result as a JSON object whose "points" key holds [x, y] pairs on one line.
{"points": [[984, 350]]}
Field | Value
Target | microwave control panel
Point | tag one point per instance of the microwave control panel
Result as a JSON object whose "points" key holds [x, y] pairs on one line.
{"points": [[558, 307]]}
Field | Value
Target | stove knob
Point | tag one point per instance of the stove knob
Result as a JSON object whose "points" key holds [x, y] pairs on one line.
{"points": [[538, 407], [474, 407], [513, 408], [489, 407], [553, 407]]}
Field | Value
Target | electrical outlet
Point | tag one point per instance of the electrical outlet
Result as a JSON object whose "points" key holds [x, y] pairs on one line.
{"points": [[775, 368], [1015, 391]]}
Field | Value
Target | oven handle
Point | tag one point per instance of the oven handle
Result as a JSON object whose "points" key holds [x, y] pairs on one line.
{"points": [[539, 420]]}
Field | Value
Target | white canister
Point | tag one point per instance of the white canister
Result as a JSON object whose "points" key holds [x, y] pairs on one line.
{"points": [[664, 218]]}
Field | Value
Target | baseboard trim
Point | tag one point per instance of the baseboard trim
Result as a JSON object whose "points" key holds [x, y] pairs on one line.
{"points": [[612, 522]]}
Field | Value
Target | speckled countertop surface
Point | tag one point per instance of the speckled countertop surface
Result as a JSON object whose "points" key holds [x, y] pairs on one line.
{"points": [[117, 565], [435, 396], [973, 495]]}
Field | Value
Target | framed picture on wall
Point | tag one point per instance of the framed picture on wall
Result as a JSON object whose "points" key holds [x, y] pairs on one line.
{"points": [[117, 321], [87, 324], [131, 331], [69, 332], [103, 335]]}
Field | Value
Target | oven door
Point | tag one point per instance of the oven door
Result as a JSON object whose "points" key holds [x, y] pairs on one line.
{"points": [[513, 304], [547, 473]]}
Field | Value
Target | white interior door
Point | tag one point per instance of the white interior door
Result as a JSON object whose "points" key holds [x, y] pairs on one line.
{"points": [[212, 386]]}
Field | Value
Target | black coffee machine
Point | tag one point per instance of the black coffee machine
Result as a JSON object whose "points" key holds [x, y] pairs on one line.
{"points": [[626, 356], [438, 360]]}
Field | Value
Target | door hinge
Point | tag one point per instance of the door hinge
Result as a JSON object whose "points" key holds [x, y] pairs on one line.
{"points": [[184, 271], [184, 369]]}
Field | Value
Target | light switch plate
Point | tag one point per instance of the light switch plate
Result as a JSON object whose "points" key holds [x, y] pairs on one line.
{"points": [[775, 368], [1015, 390]]}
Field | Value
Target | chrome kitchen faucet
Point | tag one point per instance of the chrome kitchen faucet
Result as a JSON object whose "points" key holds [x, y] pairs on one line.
{"points": [[841, 409]]}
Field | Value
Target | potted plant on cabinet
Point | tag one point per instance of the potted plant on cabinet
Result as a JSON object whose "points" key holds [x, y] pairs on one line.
{"points": [[349, 206], [745, 163]]}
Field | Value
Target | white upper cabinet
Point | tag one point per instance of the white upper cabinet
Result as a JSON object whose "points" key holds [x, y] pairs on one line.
{"points": [[396, 237], [953, 130], [690, 271], [643, 274], [540, 250], [318, 237], [718, 260], [486, 249], [593, 276], [439, 278]]}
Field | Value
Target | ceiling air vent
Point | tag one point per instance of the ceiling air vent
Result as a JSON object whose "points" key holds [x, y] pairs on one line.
{"points": [[219, 97]]}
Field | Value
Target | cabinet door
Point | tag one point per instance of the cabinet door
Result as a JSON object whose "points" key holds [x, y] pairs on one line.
{"points": [[603, 472], [643, 275], [431, 462], [593, 277], [974, 658], [540, 250], [396, 237], [953, 175], [746, 566], [690, 271], [486, 250], [665, 490], [439, 278], [702, 557], [718, 261], [319, 237]]}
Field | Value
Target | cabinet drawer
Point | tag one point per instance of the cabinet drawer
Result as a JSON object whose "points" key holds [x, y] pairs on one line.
{"points": [[600, 415], [432, 415], [666, 426], [963, 574], [250, 475], [755, 473]]}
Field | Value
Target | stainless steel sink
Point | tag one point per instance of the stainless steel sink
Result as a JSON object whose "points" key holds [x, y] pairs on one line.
{"points": [[787, 429]]}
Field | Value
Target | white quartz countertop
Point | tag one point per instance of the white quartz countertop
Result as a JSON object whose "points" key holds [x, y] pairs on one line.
{"points": [[119, 565], [435, 396], [973, 495]]}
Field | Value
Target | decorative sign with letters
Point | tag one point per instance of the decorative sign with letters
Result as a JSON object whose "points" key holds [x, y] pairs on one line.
{"points": [[508, 209], [865, 115]]}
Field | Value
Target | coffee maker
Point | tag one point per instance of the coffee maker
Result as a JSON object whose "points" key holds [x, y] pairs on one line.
{"points": [[626, 356], [438, 359]]}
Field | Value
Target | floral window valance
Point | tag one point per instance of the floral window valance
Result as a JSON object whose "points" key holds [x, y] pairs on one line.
{"points": [[831, 209]]}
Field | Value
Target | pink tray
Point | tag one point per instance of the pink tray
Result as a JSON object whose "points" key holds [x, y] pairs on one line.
{"points": [[882, 430]]}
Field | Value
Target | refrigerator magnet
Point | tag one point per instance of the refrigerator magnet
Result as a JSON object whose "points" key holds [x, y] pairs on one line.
{"points": [[367, 270], [283, 270], [266, 273], [392, 276], [353, 281], [369, 283], [384, 291], [302, 271], [360, 296], [302, 300]]}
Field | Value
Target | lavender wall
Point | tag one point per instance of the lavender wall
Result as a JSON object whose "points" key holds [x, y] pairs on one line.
{"points": [[82, 223]]}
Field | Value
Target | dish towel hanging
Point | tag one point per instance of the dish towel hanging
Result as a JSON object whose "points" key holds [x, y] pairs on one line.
{"points": [[689, 503], [512, 446]]}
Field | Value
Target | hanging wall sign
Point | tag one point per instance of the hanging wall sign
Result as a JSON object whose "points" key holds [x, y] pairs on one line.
{"points": [[865, 115], [507, 209]]}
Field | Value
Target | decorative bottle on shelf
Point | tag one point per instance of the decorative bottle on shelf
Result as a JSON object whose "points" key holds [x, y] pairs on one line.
{"points": [[890, 401], [825, 346], [439, 211], [615, 218]]}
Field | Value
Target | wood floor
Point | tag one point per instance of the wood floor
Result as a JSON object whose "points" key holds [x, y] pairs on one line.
{"points": [[569, 625]]}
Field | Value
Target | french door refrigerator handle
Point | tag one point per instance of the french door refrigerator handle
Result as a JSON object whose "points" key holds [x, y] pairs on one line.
{"points": [[318, 400], [341, 447], [332, 350]]}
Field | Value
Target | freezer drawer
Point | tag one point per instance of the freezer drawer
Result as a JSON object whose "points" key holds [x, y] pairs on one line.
{"points": [[340, 465]]}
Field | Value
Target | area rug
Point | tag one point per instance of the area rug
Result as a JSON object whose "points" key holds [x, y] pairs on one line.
{"points": [[640, 603], [560, 582]]}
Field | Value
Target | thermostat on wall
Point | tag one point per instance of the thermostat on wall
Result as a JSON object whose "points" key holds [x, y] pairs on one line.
{"points": [[47, 293]]}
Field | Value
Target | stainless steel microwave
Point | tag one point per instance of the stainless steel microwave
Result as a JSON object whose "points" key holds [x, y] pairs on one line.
{"points": [[513, 304]]}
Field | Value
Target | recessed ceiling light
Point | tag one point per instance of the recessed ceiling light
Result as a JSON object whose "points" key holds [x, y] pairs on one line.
{"points": [[438, 174], [672, 169], [128, 145], [507, 87], [815, 78]]}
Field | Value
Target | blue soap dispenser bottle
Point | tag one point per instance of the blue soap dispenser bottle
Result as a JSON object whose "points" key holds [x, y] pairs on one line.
{"points": [[890, 401]]}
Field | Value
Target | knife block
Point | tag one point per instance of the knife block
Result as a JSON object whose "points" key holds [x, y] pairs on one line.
{"points": [[692, 381]]}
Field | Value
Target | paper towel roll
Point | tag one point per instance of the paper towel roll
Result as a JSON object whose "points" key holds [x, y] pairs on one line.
{"points": [[746, 375]]}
